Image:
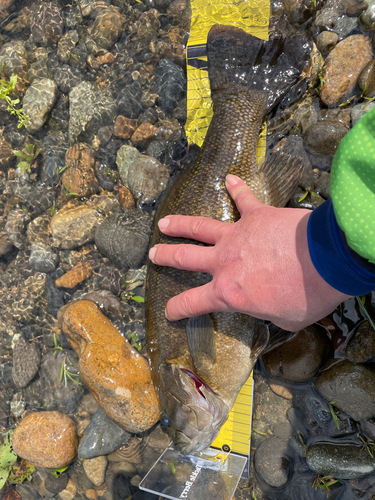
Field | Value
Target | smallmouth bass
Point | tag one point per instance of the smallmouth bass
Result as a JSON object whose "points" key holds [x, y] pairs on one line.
{"points": [[199, 365]]}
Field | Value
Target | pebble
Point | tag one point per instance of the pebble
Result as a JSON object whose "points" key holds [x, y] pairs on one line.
{"points": [[135, 480], [43, 258], [108, 27], [169, 84], [26, 362], [126, 155], [69, 493], [342, 461], [131, 452], [17, 405], [344, 26], [366, 79], [56, 484], [368, 426], [129, 100], [95, 469], [38, 102], [301, 358], [67, 77], [46, 23], [116, 374], [66, 45], [343, 66], [271, 462], [125, 198], [326, 41], [6, 153], [361, 347], [111, 305], [102, 436], [144, 134], [367, 18], [46, 439], [124, 127], [324, 136], [326, 18], [124, 236], [125, 468], [81, 272], [351, 386], [355, 9], [281, 390], [360, 110], [147, 178]]}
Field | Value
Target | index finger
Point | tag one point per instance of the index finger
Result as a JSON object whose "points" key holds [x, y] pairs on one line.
{"points": [[201, 229]]}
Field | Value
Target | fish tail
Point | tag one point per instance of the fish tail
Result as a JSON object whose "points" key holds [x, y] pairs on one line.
{"points": [[236, 58]]}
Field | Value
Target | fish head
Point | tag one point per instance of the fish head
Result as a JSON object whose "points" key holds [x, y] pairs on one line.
{"points": [[193, 412]]}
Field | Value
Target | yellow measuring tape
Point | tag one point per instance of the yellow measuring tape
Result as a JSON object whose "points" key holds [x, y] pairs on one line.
{"points": [[253, 17]]}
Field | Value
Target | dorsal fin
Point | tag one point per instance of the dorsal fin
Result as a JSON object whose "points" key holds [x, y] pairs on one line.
{"points": [[201, 338]]}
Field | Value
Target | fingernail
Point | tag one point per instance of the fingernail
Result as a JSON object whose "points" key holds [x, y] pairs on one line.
{"points": [[166, 315], [151, 253], [232, 180], [163, 223]]}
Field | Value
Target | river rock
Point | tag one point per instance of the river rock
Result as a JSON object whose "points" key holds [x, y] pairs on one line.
{"points": [[324, 136], [95, 469], [147, 178], [344, 26], [356, 8], [56, 484], [102, 436], [38, 102], [360, 110], [124, 127], [169, 84], [343, 66], [108, 27], [79, 177], [126, 155], [326, 41], [46, 23], [111, 305], [271, 462], [326, 18], [46, 439], [351, 386], [43, 258], [117, 375], [144, 134], [14, 56], [342, 461], [67, 77], [367, 18], [366, 79], [124, 236], [26, 361], [81, 272], [90, 109], [75, 223], [129, 100], [361, 347], [48, 391], [125, 198], [66, 45], [301, 358]]}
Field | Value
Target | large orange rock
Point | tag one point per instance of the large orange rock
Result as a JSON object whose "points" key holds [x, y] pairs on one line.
{"points": [[116, 374], [46, 439]]}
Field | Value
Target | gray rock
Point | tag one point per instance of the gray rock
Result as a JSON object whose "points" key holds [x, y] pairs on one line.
{"points": [[46, 23], [361, 347], [124, 236], [126, 155], [48, 392], [129, 100], [17, 405], [344, 26], [108, 27], [67, 78], [56, 484], [66, 45], [14, 56], [351, 386], [38, 102], [54, 296], [271, 462], [360, 110], [4, 403], [324, 137], [326, 41], [110, 304], [39, 68], [326, 18], [147, 179], [101, 437], [17, 221], [169, 84], [26, 362], [42, 258], [342, 461], [90, 109], [27, 492]]}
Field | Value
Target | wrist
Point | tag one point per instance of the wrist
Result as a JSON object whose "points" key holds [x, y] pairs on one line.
{"points": [[330, 255]]}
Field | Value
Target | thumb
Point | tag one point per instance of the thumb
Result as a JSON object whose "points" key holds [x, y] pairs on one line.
{"points": [[241, 194]]}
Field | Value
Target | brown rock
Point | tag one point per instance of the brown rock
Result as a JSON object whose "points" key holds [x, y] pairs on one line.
{"points": [[131, 452], [81, 272], [281, 390], [107, 58], [343, 66], [170, 129], [6, 153], [70, 491], [124, 127], [46, 439], [144, 134], [125, 198], [95, 469], [361, 347], [355, 9], [116, 374], [91, 494], [80, 176], [299, 359], [366, 79]]}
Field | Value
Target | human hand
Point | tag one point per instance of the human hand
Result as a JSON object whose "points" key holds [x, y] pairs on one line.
{"points": [[260, 265]]}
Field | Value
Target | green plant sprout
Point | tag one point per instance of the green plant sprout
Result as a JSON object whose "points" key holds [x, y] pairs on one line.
{"points": [[7, 88], [52, 210], [172, 464], [65, 374], [334, 413], [58, 172], [57, 472], [361, 301], [346, 103], [134, 340], [259, 432], [302, 441], [368, 99], [368, 444], [69, 193], [128, 294], [254, 496], [29, 154], [324, 482], [306, 193]]}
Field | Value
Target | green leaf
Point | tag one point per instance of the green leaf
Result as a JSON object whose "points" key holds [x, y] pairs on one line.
{"points": [[58, 472], [137, 298], [364, 310], [23, 164], [20, 472], [62, 370], [314, 194], [303, 197], [334, 414], [7, 455], [20, 154]]}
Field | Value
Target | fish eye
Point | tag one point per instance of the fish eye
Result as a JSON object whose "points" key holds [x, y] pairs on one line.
{"points": [[164, 420]]}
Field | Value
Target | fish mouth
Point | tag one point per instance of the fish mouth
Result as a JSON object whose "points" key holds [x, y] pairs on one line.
{"points": [[195, 412]]}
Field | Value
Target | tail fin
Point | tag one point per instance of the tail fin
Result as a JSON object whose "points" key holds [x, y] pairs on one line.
{"points": [[235, 57]]}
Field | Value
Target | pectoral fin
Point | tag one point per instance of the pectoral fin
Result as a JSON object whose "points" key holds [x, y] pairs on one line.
{"points": [[260, 340], [201, 338]]}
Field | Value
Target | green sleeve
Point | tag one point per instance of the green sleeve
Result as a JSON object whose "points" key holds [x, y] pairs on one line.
{"points": [[353, 186]]}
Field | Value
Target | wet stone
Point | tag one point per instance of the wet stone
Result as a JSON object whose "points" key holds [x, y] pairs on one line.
{"points": [[360, 110], [116, 374], [14, 56], [79, 177], [361, 347], [5, 153], [162, 151], [340, 79], [81, 272], [26, 361], [95, 469], [357, 8], [271, 462], [324, 136], [144, 134], [125, 197], [299, 359], [102, 436], [54, 296], [48, 392], [66, 44], [38, 102], [169, 84], [46, 23], [108, 278], [108, 27], [123, 237], [147, 178], [17, 405], [56, 484], [43, 258], [340, 460], [124, 127], [366, 79], [17, 220], [367, 18], [326, 18], [129, 100], [126, 155], [46, 439], [110, 304], [67, 77], [326, 41], [351, 386], [344, 26]]}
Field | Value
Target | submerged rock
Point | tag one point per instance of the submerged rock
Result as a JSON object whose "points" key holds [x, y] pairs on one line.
{"points": [[82, 271], [271, 462], [79, 177], [147, 178], [351, 386], [108, 27], [169, 84], [43, 258], [117, 375], [46, 23], [26, 361], [342, 461], [361, 347], [95, 469], [38, 102]]}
